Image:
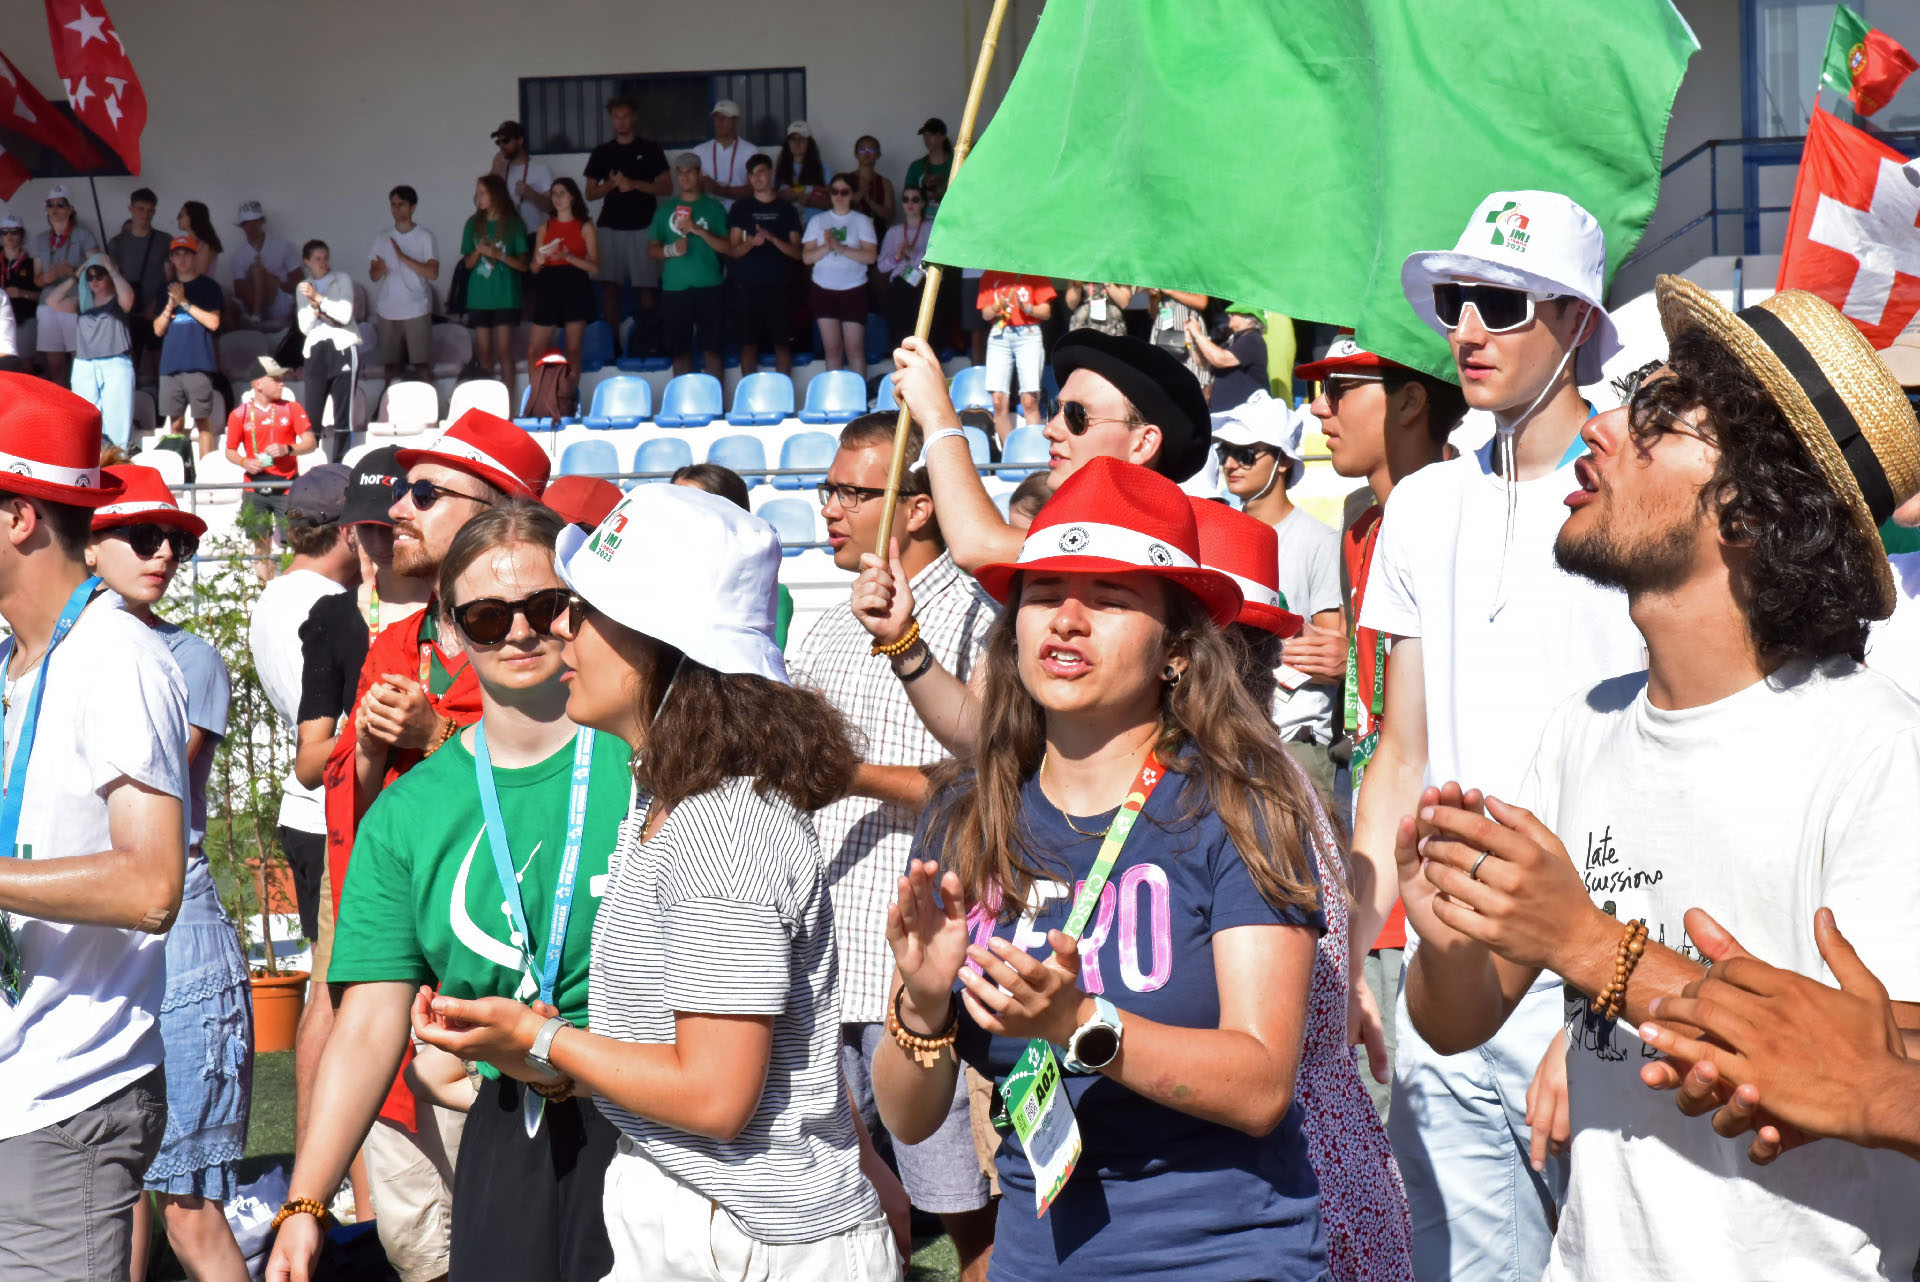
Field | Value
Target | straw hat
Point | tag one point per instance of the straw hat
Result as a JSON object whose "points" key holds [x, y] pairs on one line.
{"points": [[1831, 386]]}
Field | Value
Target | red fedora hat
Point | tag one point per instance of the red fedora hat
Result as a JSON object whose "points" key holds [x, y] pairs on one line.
{"points": [[50, 444], [582, 500], [144, 500], [1246, 550], [490, 448], [1114, 517]]}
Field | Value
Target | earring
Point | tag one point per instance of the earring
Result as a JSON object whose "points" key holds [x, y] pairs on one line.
{"points": [[1172, 675]]}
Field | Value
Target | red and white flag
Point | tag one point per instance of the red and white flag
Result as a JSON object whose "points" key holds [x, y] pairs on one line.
{"points": [[26, 112], [1853, 236], [12, 174], [101, 86]]}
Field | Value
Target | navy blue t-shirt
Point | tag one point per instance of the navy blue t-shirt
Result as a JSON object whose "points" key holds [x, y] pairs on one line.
{"points": [[1157, 1193], [763, 265], [188, 345]]}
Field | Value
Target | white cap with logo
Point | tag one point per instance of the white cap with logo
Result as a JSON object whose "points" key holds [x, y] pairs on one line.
{"points": [[248, 211], [727, 107]]}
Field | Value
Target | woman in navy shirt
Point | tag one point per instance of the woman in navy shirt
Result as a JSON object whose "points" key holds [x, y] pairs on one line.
{"points": [[1178, 1015]]}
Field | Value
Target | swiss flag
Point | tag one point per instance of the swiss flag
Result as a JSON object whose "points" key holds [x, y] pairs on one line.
{"points": [[1853, 236], [27, 113], [101, 85]]}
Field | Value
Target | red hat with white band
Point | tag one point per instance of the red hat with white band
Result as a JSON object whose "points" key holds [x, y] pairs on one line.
{"points": [[1112, 517], [1344, 356], [1246, 550], [490, 448], [144, 500], [50, 444]]}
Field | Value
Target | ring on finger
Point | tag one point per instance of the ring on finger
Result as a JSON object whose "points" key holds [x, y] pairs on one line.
{"points": [[1474, 872]]}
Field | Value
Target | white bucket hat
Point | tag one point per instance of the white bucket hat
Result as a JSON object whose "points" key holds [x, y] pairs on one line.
{"points": [[686, 568], [1539, 241], [1262, 420]]}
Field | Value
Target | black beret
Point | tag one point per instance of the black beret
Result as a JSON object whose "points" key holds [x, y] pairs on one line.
{"points": [[1158, 383]]}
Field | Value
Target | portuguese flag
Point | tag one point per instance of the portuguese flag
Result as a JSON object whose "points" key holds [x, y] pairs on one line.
{"points": [[1863, 62]]}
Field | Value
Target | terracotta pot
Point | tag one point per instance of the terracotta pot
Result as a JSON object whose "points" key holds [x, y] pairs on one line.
{"points": [[277, 1000]]}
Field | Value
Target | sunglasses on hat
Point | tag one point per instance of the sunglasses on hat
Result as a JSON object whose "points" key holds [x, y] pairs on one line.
{"points": [[425, 493], [1244, 455], [146, 540], [1079, 420], [488, 620], [1501, 310]]}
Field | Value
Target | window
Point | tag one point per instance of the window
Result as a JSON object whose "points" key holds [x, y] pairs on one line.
{"points": [[565, 114]]}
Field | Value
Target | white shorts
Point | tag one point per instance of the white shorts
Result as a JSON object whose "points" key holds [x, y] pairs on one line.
{"points": [[57, 330], [412, 1193], [1011, 347]]}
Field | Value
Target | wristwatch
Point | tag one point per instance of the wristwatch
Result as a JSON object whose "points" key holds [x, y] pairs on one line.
{"points": [[1096, 1043], [543, 1043]]}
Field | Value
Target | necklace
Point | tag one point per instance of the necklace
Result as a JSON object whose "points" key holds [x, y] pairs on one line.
{"points": [[1063, 813], [6, 692]]}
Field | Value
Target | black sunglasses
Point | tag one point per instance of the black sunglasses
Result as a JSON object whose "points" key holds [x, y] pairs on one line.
{"points": [[913, 200], [1078, 420], [840, 191], [58, 204], [1244, 455], [146, 541], [578, 608], [488, 620], [849, 497], [1500, 309], [1338, 385], [426, 493]]}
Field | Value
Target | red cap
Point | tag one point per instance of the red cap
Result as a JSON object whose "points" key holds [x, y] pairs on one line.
{"points": [[50, 444], [582, 500], [144, 500], [1113, 517], [490, 448], [1344, 355], [1246, 550]]}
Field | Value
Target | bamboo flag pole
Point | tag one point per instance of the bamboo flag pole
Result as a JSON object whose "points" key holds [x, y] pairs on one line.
{"points": [[930, 289]]}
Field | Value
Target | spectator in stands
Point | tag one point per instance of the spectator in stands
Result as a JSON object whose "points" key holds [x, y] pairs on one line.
{"points": [[765, 233], [798, 175], [139, 252], [900, 263], [332, 344], [689, 236], [566, 257], [99, 300], [528, 181], [839, 246], [1027, 499], [266, 272], [494, 247], [196, 220], [1172, 310], [1095, 305], [186, 326], [1015, 306], [728, 484], [265, 433], [723, 157], [23, 294], [57, 254], [1239, 365], [872, 190], [404, 262], [864, 836], [626, 174], [930, 172]]}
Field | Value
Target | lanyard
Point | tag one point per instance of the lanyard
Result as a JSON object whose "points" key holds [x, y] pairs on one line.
{"points": [[569, 859], [1353, 644], [23, 749], [733, 155], [912, 237]]}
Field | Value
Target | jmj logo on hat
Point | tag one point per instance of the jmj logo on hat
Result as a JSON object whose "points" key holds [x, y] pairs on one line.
{"points": [[1509, 227]]}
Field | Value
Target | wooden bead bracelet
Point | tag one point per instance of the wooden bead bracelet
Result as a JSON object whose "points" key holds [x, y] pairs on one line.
{"points": [[1613, 1000], [894, 649], [925, 1050], [301, 1206]]}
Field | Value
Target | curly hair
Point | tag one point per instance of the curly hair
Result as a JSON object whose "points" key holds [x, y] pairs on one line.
{"points": [[1811, 585]]}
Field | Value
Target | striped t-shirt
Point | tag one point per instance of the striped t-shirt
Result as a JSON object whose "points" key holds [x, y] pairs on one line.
{"points": [[725, 912]]}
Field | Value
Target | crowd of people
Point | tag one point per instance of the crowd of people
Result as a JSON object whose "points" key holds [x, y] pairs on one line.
{"points": [[1474, 875]]}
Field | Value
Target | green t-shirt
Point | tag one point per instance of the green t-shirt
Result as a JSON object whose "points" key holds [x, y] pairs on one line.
{"points": [[422, 902], [930, 179], [699, 267], [492, 285]]}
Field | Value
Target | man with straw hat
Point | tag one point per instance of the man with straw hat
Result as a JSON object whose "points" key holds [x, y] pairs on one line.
{"points": [[1756, 772]]}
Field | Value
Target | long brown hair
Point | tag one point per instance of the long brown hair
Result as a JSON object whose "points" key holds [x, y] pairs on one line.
{"points": [[1209, 727], [500, 209]]}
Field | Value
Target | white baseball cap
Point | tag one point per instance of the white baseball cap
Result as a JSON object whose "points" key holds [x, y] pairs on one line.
{"points": [[11, 222], [1539, 241], [59, 192], [1263, 420], [800, 127], [249, 210], [726, 107], [686, 568]]}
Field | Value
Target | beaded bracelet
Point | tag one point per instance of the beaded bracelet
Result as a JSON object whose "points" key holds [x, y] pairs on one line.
{"points": [[448, 728], [893, 649], [1613, 999], [300, 1206], [925, 1050]]}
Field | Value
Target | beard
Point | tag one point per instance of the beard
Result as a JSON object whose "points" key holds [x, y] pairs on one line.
{"points": [[1659, 562], [413, 560]]}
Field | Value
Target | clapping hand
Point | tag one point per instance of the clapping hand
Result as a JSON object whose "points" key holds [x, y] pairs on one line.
{"points": [[1316, 651], [1015, 995], [929, 940]]}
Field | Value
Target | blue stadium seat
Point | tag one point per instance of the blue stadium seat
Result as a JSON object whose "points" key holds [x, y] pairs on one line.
{"points": [[763, 399], [1024, 445], [792, 519], [596, 348], [691, 400], [977, 445], [662, 454], [624, 400], [969, 389], [744, 454], [589, 458], [836, 396], [806, 449], [1049, 391], [884, 399]]}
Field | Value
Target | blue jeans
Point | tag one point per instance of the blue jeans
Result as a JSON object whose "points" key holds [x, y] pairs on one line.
{"points": [[107, 382], [1458, 1124]]}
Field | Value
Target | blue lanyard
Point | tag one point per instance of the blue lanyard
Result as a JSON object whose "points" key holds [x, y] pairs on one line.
{"points": [[23, 749], [569, 859]]}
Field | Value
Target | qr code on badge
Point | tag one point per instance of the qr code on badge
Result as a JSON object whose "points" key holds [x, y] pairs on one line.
{"points": [[1030, 1107]]}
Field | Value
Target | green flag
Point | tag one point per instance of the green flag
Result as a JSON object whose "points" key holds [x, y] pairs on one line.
{"points": [[1848, 31], [1289, 153]]}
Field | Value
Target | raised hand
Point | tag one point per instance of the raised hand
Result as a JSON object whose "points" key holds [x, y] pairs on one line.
{"points": [[929, 938], [1015, 995], [882, 598]]}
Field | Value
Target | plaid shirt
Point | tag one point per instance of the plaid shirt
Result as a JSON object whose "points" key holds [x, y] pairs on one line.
{"points": [[865, 841]]}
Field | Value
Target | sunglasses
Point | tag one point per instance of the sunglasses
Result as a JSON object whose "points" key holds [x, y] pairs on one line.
{"points": [[913, 200], [578, 608], [58, 204], [1079, 420], [1501, 310], [1244, 455], [840, 191], [849, 497], [425, 493], [1338, 385], [488, 620], [146, 541]]}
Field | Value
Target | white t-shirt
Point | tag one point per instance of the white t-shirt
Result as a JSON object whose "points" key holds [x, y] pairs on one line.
{"points": [[1800, 791], [274, 637], [726, 165], [1310, 581], [1893, 647], [404, 292], [280, 259], [537, 176], [837, 271], [87, 1023]]}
